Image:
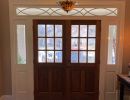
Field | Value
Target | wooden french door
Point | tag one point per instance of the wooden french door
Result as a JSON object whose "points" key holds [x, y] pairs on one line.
{"points": [[66, 59]]}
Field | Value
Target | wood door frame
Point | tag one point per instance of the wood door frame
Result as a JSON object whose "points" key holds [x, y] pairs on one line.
{"points": [[67, 40]]}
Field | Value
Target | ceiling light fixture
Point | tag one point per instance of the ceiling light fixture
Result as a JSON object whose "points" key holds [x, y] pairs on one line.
{"points": [[67, 5]]}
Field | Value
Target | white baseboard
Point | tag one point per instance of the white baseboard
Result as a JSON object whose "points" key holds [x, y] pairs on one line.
{"points": [[6, 97]]}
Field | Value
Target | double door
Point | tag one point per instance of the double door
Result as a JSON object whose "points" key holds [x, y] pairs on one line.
{"points": [[66, 59]]}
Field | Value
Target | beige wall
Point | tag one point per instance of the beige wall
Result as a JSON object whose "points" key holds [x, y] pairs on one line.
{"points": [[5, 65], [126, 52], [1, 70]]}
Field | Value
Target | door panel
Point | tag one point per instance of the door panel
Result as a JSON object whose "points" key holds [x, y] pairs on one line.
{"points": [[66, 59], [43, 83], [75, 80], [50, 84]]}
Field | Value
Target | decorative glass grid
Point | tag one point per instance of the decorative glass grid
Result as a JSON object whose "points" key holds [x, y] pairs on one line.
{"points": [[22, 11], [50, 44], [83, 43]]}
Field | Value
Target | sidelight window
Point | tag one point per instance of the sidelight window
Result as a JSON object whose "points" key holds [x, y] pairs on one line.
{"points": [[112, 44], [21, 44]]}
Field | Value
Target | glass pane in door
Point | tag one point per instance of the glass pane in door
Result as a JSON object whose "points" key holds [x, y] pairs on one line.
{"points": [[92, 31], [50, 44]]}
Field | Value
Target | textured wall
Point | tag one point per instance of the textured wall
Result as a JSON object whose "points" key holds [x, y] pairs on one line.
{"points": [[126, 52], [5, 64], [1, 70]]}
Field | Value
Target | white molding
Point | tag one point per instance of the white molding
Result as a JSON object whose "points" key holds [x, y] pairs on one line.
{"points": [[6, 97], [29, 67], [53, 2]]}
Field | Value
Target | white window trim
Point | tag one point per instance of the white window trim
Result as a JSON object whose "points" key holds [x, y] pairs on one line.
{"points": [[28, 69]]}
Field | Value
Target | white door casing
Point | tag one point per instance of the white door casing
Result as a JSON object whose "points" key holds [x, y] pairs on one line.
{"points": [[22, 75]]}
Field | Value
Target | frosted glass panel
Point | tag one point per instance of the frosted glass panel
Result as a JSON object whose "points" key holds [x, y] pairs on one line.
{"points": [[58, 31], [74, 56], [38, 11], [112, 44], [41, 43], [50, 56], [41, 30], [58, 43], [50, 43], [100, 12], [41, 56], [91, 44], [83, 57], [74, 44], [83, 30], [50, 30], [83, 43], [21, 44], [91, 56], [74, 30], [92, 31], [58, 56]]}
